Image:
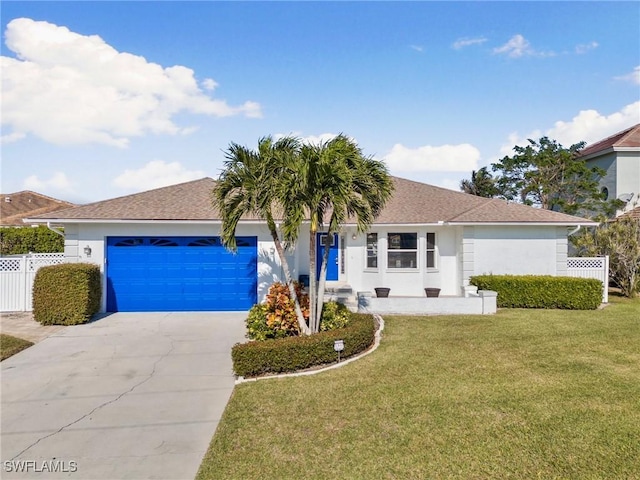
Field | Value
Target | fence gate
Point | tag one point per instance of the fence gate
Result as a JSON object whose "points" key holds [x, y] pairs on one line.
{"points": [[16, 279], [591, 267]]}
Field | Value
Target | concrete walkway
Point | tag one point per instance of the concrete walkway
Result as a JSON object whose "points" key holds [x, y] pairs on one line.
{"points": [[22, 325], [129, 396]]}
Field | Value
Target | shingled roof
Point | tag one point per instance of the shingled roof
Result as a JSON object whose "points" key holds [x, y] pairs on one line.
{"points": [[626, 139], [16, 206], [412, 203]]}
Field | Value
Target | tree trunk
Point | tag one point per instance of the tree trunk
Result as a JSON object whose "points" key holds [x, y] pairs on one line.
{"points": [[313, 292], [302, 324], [323, 278]]}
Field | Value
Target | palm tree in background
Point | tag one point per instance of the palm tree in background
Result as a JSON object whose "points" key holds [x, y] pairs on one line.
{"points": [[482, 184]]}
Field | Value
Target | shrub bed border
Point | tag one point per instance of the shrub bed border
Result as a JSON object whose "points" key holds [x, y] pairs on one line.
{"points": [[376, 343]]}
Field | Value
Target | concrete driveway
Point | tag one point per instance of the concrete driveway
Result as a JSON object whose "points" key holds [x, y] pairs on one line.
{"points": [[129, 396]]}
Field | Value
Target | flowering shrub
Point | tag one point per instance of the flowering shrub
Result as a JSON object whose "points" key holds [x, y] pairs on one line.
{"points": [[276, 318], [334, 315]]}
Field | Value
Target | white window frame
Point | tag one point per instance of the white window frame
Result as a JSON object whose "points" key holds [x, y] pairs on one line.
{"points": [[434, 250], [376, 250], [416, 265]]}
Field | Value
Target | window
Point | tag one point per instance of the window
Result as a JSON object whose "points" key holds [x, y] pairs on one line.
{"points": [[431, 250], [372, 250], [402, 250]]}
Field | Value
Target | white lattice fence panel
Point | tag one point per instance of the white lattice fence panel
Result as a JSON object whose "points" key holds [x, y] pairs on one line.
{"points": [[591, 267], [16, 279]]}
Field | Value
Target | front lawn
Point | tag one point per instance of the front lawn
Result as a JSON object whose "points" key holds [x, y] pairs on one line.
{"points": [[11, 345], [522, 394]]}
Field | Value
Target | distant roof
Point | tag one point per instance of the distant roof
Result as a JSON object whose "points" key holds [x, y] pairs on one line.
{"points": [[634, 213], [412, 203], [628, 138], [16, 206]]}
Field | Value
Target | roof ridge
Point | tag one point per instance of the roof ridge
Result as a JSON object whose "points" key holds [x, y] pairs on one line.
{"points": [[485, 201], [437, 187], [36, 193], [622, 134], [143, 192], [629, 132]]}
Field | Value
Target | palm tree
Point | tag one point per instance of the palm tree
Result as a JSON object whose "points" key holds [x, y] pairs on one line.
{"points": [[249, 185], [332, 182], [482, 184]]}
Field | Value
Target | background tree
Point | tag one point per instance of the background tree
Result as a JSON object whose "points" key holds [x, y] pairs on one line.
{"points": [[482, 184], [23, 240], [331, 183], [620, 239], [550, 176], [249, 184]]}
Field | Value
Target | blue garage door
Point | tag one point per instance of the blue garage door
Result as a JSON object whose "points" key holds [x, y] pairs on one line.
{"points": [[159, 274]]}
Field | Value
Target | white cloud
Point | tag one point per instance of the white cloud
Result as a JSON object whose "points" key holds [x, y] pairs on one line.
{"points": [[633, 77], [12, 137], [449, 183], [588, 125], [417, 48], [57, 182], [155, 174], [68, 88], [209, 84], [466, 42], [586, 47], [444, 158], [518, 46]]}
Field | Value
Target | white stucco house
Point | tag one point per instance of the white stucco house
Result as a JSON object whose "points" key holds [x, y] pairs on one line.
{"points": [[159, 250], [619, 156]]}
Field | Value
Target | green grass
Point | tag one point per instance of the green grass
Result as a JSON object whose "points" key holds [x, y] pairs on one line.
{"points": [[523, 394], [11, 345]]}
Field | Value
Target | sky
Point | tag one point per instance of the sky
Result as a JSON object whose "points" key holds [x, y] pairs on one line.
{"points": [[104, 99]]}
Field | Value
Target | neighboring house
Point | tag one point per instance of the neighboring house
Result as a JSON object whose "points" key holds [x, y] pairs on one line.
{"points": [[159, 250], [619, 156], [16, 206]]}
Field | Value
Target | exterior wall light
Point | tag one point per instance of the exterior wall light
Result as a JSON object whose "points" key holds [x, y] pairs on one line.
{"points": [[87, 251]]}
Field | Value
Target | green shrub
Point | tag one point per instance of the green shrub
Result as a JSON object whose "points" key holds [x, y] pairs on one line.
{"points": [[542, 291], [276, 318], [334, 315], [66, 294], [297, 353], [257, 328], [23, 240]]}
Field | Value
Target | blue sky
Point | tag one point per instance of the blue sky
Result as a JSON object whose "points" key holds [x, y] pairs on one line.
{"points": [[102, 99]]}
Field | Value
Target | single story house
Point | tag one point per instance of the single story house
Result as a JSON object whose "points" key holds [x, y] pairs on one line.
{"points": [[160, 250]]}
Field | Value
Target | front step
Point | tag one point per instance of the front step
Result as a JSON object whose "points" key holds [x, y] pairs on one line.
{"points": [[341, 293]]}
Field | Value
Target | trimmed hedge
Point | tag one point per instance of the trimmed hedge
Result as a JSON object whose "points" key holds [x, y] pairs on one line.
{"points": [[542, 291], [66, 294], [23, 240], [297, 353]]}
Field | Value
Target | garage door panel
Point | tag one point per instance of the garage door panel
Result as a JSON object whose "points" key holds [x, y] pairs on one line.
{"points": [[180, 273]]}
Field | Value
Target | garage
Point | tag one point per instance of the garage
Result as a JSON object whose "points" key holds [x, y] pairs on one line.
{"points": [[180, 274]]}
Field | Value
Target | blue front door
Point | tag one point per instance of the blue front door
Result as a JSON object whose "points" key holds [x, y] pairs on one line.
{"points": [[332, 263]]}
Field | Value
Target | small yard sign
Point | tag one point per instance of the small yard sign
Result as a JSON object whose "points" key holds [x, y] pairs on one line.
{"points": [[338, 346]]}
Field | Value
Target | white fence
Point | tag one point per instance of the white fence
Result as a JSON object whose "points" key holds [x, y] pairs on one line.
{"points": [[16, 279], [591, 267]]}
